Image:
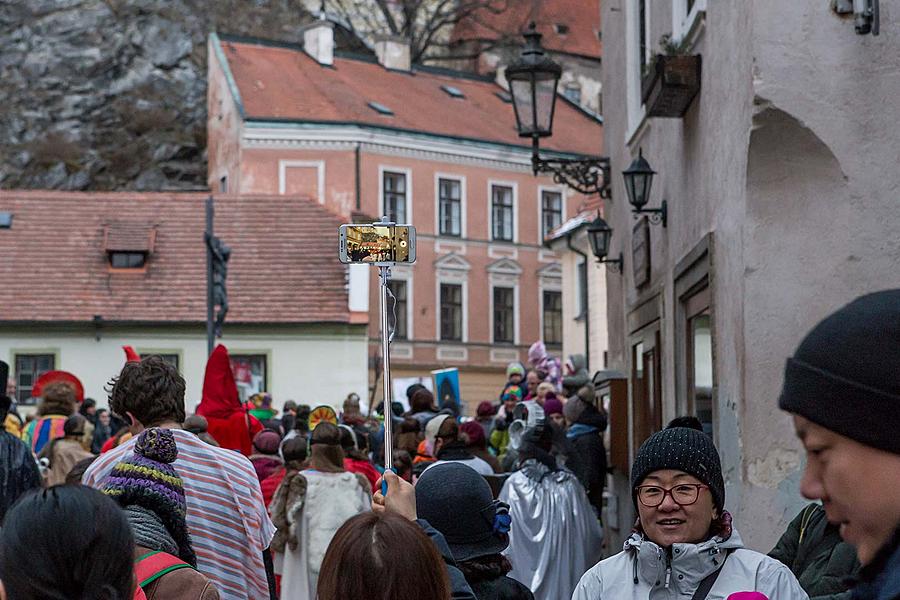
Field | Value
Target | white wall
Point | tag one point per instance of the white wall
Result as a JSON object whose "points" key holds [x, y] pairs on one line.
{"points": [[308, 368]]}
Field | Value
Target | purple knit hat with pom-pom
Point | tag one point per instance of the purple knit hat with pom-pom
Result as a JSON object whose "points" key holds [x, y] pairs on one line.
{"points": [[147, 479]]}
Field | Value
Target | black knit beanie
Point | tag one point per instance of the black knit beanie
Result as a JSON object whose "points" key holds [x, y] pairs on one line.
{"points": [[844, 374], [682, 449]]}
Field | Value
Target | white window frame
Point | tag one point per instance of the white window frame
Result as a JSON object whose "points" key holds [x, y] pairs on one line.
{"points": [[490, 210], [683, 22], [462, 203], [407, 172], [405, 275], [515, 288], [637, 112], [540, 206], [318, 165], [452, 280]]}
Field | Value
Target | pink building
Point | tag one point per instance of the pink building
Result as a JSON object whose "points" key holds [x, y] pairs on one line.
{"points": [[431, 147]]}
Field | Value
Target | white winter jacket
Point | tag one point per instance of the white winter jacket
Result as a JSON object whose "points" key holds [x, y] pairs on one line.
{"points": [[644, 571]]}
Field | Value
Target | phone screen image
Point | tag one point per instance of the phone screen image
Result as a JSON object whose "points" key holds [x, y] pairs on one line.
{"points": [[377, 244]]}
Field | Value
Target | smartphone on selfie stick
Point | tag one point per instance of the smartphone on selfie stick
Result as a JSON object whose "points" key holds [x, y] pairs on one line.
{"points": [[381, 245]]}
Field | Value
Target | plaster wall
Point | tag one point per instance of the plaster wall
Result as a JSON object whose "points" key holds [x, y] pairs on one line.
{"points": [[822, 210], [313, 367], [788, 157], [573, 321]]}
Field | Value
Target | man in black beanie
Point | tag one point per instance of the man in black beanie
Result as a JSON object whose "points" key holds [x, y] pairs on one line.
{"points": [[842, 387]]}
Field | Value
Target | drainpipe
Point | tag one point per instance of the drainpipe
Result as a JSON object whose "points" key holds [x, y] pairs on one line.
{"points": [[587, 309], [358, 201]]}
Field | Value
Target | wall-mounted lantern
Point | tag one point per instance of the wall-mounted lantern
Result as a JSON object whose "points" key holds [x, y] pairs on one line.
{"points": [[599, 234], [533, 80], [638, 181]]}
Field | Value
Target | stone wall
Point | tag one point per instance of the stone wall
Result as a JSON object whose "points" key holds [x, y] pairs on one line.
{"points": [[111, 94]]}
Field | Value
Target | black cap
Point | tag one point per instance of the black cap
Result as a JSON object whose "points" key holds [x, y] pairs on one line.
{"points": [[457, 501], [682, 449], [843, 376]]}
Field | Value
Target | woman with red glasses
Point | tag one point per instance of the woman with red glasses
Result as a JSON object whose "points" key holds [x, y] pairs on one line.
{"points": [[683, 545]]}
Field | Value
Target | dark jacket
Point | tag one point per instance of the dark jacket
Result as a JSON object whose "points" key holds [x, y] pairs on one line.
{"points": [[459, 589], [18, 471], [880, 579], [501, 588], [821, 560], [588, 459]]}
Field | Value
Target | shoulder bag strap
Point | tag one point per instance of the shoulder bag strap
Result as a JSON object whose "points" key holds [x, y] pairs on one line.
{"points": [[706, 584], [154, 565]]}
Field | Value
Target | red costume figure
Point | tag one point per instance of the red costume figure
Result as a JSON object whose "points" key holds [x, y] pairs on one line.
{"points": [[229, 423]]}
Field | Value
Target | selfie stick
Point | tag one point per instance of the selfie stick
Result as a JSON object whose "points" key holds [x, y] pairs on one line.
{"points": [[384, 273]]}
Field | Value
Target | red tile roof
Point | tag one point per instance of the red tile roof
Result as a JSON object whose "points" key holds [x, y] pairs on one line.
{"points": [[285, 83], [580, 17], [283, 269]]}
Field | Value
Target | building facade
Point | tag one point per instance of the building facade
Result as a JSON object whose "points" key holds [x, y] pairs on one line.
{"points": [[780, 181], [91, 272], [434, 148]]}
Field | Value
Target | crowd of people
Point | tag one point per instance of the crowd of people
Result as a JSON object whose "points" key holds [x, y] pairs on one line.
{"points": [[238, 501]]}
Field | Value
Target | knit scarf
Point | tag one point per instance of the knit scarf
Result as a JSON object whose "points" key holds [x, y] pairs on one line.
{"points": [[149, 530]]}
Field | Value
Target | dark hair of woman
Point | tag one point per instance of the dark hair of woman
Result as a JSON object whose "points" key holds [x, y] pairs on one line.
{"points": [[74, 476], [382, 555], [403, 464], [422, 401], [302, 422], [485, 568], [68, 542]]}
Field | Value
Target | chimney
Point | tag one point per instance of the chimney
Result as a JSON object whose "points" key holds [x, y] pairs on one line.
{"points": [[393, 52], [318, 41]]}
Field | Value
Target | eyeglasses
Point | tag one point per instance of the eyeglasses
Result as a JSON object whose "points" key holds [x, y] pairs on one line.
{"points": [[683, 494]]}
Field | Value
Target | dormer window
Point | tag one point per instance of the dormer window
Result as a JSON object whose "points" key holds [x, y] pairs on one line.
{"points": [[127, 260], [128, 245]]}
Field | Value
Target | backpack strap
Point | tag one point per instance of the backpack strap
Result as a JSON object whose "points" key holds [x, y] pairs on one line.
{"points": [[154, 565]]}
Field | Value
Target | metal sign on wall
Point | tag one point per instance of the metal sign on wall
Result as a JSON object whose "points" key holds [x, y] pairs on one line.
{"points": [[640, 252]]}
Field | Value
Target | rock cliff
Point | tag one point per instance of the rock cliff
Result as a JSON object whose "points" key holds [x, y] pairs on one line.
{"points": [[111, 94]]}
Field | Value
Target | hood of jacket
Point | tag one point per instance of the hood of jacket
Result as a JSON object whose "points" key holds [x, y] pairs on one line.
{"points": [[220, 394], [689, 563], [578, 362], [537, 353]]}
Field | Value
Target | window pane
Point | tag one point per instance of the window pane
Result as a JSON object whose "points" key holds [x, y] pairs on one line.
{"points": [[249, 374], [29, 367], [551, 210], [395, 196], [450, 218], [642, 32], [502, 213], [552, 317], [127, 260], [398, 289], [451, 312], [701, 371], [504, 315]]}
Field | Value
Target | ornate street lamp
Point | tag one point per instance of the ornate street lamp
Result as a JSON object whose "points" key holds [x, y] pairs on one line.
{"points": [[638, 181], [533, 79], [599, 234]]}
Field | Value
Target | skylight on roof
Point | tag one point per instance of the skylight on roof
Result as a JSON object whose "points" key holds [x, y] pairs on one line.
{"points": [[5, 220], [504, 96], [453, 91], [380, 108]]}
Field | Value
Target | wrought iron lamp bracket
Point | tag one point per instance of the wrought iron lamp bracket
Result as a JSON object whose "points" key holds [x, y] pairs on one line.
{"points": [[656, 216], [585, 175], [617, 264]]}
